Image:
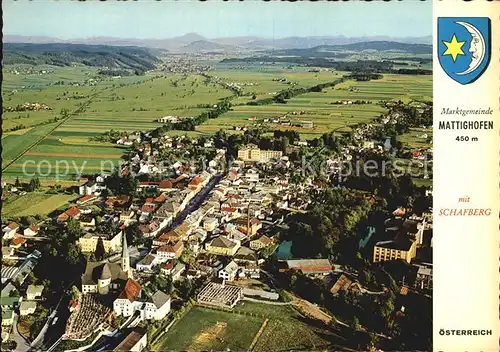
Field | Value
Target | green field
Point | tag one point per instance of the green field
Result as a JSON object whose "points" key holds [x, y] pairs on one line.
{"points": [[203, 329], [417, 138], [35, 203], [126, 104], [318, 107], [286, 330], [135, 103]]}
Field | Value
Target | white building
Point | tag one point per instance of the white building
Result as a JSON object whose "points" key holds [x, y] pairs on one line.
{"points": [[10, 230], [229, 272], [27, 308], [33, 292], [89, 188], [130, 301]]}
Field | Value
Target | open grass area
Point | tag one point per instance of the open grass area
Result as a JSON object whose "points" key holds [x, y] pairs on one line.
{"points": [[417, 138], [287, 329], [34, 203], [203, 329]]}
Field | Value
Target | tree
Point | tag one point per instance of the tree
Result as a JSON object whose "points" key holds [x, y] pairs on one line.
{"points": [[99, 249], [134, 235], [75, 292], [74, 230], [17, 183], [73, 256], [355, 324], [374, 340], [185, 288], [32, 185]]}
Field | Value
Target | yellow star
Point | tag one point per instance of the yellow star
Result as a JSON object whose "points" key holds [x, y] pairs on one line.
{"points": [[453, 48]]}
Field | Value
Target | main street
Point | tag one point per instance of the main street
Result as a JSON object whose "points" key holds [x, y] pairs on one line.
{"points": [[197, 201]]}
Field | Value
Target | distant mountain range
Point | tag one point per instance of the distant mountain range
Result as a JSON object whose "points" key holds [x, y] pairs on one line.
{"points": [[193, 42]]}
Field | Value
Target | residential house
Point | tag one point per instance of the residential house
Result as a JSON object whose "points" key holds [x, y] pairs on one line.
{"points": [[121, 202], [166, 268], [87, 221], [7, 252], [125, 304], [195, 184], [151, 229], [7, 317], [146, 264], [9, 304], [89, 188], [31, 231], [71, 213], [170, 251], [157, 307], [27, 308], [245, 255], [230, 212], [229, 272], [177, 271], [250, 270], [17, 242], [177, 234], [172, 207], [232, 175], [166, 186], [127, 216], [33, 292], [261, 242], [164, 213], [10, 230], [209, 224]]}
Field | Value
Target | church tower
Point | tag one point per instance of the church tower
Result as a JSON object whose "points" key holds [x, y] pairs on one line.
{"points": [[125, 257]]}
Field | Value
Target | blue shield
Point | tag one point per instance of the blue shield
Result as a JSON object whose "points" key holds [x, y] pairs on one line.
{"points": [[464, 47]]}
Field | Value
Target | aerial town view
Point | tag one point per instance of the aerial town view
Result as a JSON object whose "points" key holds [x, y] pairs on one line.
{"points": [[232, 178]]}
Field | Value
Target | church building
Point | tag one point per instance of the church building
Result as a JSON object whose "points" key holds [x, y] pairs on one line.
{"points": [[104, 277]]}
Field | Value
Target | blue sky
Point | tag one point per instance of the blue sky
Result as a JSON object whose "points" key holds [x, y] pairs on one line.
{"points": [[165, 19]]}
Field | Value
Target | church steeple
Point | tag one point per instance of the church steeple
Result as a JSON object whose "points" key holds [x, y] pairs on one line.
{"points": [[125, 256]]}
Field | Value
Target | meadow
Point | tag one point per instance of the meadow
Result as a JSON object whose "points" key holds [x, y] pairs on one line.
{"points": [[203, 329], [34, 203], [286, 329], [318, 107]]}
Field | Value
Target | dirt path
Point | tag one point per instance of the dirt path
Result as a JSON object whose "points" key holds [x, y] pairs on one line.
{"points": [[257, 336], [209, 334]]}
